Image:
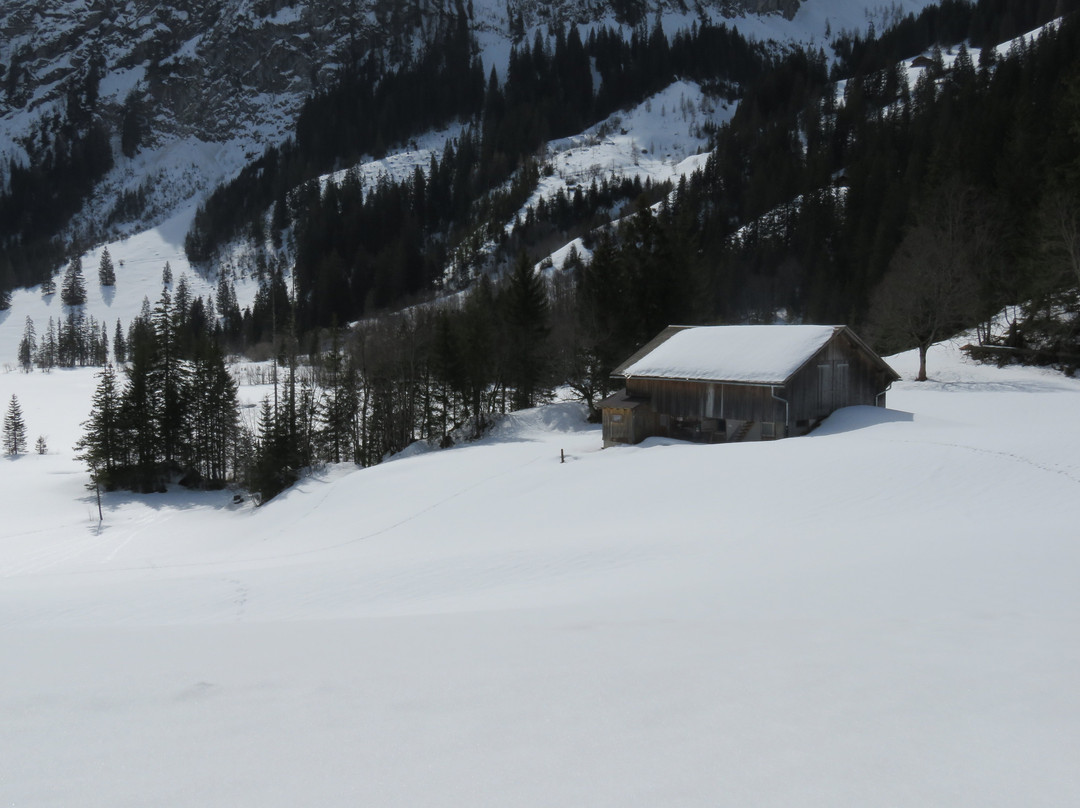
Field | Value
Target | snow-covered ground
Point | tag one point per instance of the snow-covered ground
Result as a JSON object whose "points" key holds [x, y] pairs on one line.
{"points": [[882, 613], [661, 139], [139, 263]]}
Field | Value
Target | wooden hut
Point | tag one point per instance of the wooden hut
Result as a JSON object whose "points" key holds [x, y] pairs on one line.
{"points": [[718, 384]]}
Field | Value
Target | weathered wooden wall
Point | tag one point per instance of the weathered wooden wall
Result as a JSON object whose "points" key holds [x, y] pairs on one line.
{"points": [[839, 375], [696, 400], [628, 425]]}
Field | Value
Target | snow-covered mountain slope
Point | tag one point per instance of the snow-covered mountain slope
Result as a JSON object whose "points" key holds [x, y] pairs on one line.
{"points": [[139, 264], [659, 140], [882, 612], [219, 82]]}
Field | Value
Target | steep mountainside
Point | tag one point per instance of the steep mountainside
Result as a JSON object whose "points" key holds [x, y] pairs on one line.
{"points": [[235, 72]]}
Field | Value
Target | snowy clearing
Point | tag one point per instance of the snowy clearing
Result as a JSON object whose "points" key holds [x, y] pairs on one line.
{"points": [[884, 612]]}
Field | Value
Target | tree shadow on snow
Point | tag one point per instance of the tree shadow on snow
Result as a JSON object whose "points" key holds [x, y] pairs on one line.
{"points": [[176, 498]]}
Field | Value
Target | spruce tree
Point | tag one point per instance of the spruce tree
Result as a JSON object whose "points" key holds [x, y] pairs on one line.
{"points": [[14, 440], [170, 379], [106, 271], [526, 328], [119, 344], [339, 412], [103, 446], [141, 402], [272, 470], [73, 289], [101, 354], [28, 346], [46, 355], [212, 417]]}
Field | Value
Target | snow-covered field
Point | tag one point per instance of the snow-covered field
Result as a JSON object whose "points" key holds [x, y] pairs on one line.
{"points": [[883, 613]]}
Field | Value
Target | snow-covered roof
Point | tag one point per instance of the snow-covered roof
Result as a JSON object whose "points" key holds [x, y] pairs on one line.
{"points": [[762, 354]]}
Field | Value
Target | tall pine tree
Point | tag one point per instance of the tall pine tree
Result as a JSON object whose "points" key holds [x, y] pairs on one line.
{"points": [[526, 328], [14, 440], [106, 271], [73, 289], [119, 344], [103, 446], [27, 346]]}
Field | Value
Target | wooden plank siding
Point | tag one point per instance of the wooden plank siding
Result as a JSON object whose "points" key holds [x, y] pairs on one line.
{"points": [[696, 400], [628, 425], [842, 373], [839, 375]]}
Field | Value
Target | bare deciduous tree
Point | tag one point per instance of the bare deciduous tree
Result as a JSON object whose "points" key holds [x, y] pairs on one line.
{"points": [[931, 288], [1060, 238]]}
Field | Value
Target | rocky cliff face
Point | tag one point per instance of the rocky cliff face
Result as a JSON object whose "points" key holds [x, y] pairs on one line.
{"points": [[207, 68], [235, 72]]}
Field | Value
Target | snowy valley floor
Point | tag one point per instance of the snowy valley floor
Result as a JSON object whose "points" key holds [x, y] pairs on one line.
{"points": [[883, 613]]}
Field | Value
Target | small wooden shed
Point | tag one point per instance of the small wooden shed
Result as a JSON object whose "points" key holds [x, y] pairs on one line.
{"points": [[718, 384]]}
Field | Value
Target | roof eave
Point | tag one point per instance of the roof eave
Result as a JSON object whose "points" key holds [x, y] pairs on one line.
{"points": [[744, 383], [866, 349]]}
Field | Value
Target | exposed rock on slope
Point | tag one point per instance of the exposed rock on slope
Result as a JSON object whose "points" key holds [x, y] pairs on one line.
{"points": [[232, 72]]}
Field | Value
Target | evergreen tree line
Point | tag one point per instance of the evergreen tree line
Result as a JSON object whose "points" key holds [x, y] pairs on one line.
{"points": [[549, 90], [554, 221], [984, 23], [409, 229], [173, 414], [79, 340], [443, 373], [803, 206], [75, 341], [363, 249], [368, 108], [66, 157], [446, 372], [429, 375]]}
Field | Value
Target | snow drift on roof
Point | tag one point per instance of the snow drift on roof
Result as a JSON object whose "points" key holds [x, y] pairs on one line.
{"points": [[767, 354]]}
